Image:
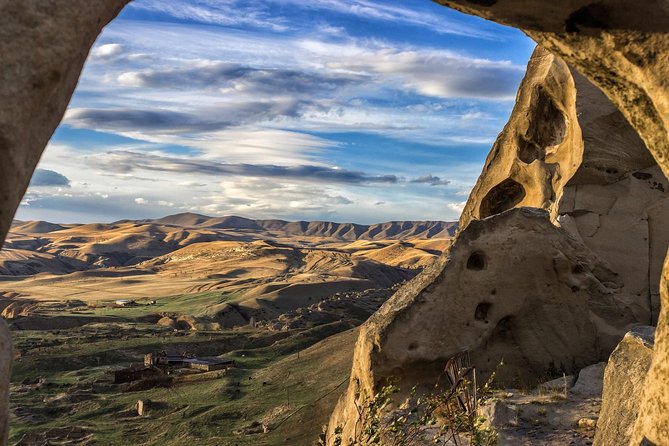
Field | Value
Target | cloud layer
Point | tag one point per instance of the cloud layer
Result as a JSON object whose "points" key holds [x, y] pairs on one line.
{"points": [[357, 110]]}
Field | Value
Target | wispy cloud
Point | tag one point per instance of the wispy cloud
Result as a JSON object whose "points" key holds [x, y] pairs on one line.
{"points": [[246, 107], [431, 180], [126, 162], [231, 77], [268, 14]]}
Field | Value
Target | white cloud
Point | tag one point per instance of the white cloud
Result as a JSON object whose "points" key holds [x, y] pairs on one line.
{"points": [[107, 52]]}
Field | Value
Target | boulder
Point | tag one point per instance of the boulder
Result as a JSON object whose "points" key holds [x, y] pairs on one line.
{"points": [[499, 414], [561, 385], [624, 380], [513, 286], [590, 381]]}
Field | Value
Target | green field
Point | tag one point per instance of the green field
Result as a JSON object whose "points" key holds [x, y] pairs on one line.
{"points": [[288, 381]]}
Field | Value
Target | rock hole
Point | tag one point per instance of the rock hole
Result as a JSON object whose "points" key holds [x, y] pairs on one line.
{"points": [[504, 327], [502, 197], [578, 269], [481, 312], [476, 261], [547, 127], [413, 346], [642, 176]]}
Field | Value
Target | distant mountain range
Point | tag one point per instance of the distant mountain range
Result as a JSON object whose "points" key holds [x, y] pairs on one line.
{"points": [[392, 230], [33, 247]]}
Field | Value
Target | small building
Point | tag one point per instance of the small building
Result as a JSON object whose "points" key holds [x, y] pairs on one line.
{"points": [[210, 364], [165, 359], [125, 303]]}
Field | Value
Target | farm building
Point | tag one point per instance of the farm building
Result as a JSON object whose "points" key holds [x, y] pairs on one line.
{"points": [[165, 359]]}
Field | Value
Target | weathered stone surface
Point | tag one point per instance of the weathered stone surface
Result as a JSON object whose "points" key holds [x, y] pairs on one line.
{"points": [[509, 288], [539, 149], [44, 44], [499, 414], [589, 168], [590, 381], [562, 384], [624, 50], [553, 154], [623, 386]]}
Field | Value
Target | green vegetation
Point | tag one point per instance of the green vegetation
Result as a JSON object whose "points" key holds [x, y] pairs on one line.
{"points": [[197, 304], [61, 380], [442, 416]]}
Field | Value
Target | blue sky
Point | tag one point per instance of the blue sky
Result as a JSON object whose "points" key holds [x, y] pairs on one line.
{"points": [[344, 110]]}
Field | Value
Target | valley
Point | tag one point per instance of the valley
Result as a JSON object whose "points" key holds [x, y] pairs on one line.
{"points": [[281, 299]]}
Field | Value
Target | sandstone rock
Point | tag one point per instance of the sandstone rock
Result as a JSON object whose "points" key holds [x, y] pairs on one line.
{"points": [[44, 45], [508, 288], [625, 52], [553, 154], [590, 381], [499, 414], [567, 149], [557, 385], [624, 380], [622, 50], [588, 423]]}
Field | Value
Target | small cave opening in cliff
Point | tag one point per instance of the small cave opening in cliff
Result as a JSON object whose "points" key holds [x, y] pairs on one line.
{"points": [[547, 127], [506, 195]]}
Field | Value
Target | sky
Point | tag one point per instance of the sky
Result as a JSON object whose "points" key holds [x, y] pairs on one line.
{"points": [[341, 110]]}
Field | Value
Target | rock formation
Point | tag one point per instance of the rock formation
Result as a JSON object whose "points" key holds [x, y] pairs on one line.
{"points": [[567, 149], [622, 49], [624, 386], [518, 284]]}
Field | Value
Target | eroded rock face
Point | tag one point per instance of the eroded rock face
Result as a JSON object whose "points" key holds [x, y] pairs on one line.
{"points": [[513, 286], [588, 168], [510, 284], [624, 379], [539, 149], [622, 48], [44, 44]]}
